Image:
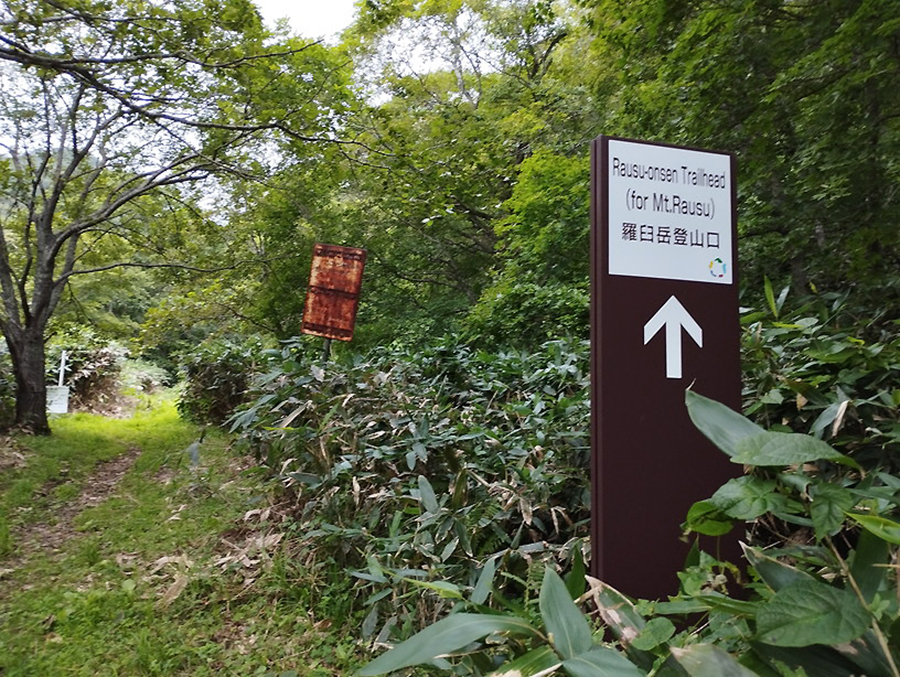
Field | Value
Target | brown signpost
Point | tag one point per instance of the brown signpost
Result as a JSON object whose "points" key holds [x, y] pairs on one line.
{"points": [[332, 295], [664, 317]]}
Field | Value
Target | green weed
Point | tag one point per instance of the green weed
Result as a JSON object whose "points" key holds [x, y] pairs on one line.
{"points": [[137, 586]]}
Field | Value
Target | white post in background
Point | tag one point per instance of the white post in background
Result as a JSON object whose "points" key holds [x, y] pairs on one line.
{"points": [[58, 395], [62, 368]]}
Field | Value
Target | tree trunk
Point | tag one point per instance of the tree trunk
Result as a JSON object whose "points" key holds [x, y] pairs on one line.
{"points": [[28, 357]]}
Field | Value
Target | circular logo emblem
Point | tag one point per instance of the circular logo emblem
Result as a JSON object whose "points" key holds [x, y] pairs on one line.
{"points": [[717, 268]]}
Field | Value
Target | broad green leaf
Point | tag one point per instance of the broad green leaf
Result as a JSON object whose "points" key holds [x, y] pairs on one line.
{"points": [[836, 353], [693, 558], [735, 607], [536, 663], [721, 425], [601, 661], [575, 581], [810, 612], [826, 418], [429, 500], [880, 526], [680, 607], [446, 636], [770, 296], [779, 303], [622, 619], [815, 661], [747, 497], [566, 626], [775, 574], [795, 481], [706, 660], [754, 662], [867, 653], [779, 449], [485, 582], [750, 318], [370, 622], [449, 549], [705, 518], [867, 567], [829, 504], [657, 631], [445, 589], [376, 571], [774, 396]]}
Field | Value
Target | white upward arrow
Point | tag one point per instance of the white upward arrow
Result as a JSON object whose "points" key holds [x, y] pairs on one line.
{"points": [[674, 317]]}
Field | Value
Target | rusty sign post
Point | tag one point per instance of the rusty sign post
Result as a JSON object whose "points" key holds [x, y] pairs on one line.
{"points": [[332, 296], [664, 317]]}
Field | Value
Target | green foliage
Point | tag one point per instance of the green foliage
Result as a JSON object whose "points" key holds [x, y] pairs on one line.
{"points": [[186, 316], [541, 291], [523, 312], [93, 367], [91, 602], [565, 644], [547, 231], [427, 187], [829, 367], [216, 378], [835, 587], [140, 376], [107, 129], [446, 636], [802, 95], [7, 391], [407, 468], [827, 607], [113, 303]]}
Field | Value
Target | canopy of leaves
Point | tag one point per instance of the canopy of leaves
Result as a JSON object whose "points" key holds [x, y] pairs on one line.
{"points": [[803, 93]]}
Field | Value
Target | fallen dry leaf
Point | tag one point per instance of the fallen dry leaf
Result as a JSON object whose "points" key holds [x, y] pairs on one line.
{"points": [[170, 595]]}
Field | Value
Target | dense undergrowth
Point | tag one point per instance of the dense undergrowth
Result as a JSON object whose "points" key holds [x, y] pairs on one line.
{"points": [[408, 468], [827, 368], [417, 472], [450, 483]]}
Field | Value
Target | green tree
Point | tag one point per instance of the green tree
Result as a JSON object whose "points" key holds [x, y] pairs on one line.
{"points": [[464, 94], [804, 93], [107, 114], [541, 289]]}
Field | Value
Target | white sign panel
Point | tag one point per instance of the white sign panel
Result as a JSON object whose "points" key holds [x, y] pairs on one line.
{"points": [[58, 399], [670, 213]]}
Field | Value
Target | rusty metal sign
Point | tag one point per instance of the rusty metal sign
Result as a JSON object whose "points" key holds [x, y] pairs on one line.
{"points": [[664, 317], [332, 295]]}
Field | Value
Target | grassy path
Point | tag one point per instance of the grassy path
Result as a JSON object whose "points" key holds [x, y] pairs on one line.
{"points": [[119, 556]]}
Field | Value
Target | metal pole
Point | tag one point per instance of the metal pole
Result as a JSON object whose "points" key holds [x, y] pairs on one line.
{"points": [[62, 367], [326, 350]]}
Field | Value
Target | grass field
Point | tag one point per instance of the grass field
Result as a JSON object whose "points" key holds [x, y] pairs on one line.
{"points": [[121, 554]]}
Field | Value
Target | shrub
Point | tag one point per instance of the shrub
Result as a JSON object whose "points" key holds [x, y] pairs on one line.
{"points": [[215, 379], [527, 312], [145, 377], [825, 608], [410, 468], [93, 367], [825, 370]]}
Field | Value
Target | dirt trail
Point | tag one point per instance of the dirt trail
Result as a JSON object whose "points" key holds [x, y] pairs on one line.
{"points": [[32, 539]]}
